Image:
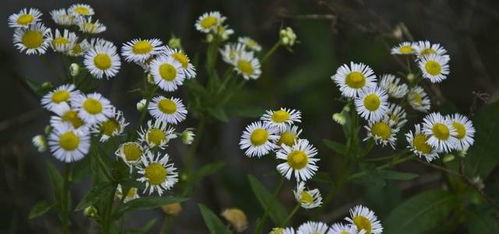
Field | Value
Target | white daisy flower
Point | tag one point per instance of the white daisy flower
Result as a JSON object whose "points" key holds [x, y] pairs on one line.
{"points": [[311, 227], [79, 48], [40, 142], [81, 10], [418, 99], [247, 65], [24, 18], [250, 43], [288, 136], [396, 115], [58, 99], [102, 61], [61, 17], [391, 85], [231, 51], [257, 139], [69, 145], [209, 21], [157, 134], [281, 118], [382, 131], [92, 108], [465, 131], [404, 48], [182, 58], [87, 26], [170, 110], [299, 159], [418, 144], [424, 48], [99, 42], [130, 152], [308, 199], [65, 116], [341, 228], [434, 67], [354, 78], [167, 72], [279, 230], [132, 193], [372, 104], [111, 127], [157, 174], [63, 42], [223, 32], [139, 50], [33, 39], [365, 220], [441, 132]]}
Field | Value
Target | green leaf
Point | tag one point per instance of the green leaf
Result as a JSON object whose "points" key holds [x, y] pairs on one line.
{"points": [[207, 170], [37, 87], [56, 180], [212, 221], [219, 114], [277, 211], [420, 213], [144, 229], [145, 203], [482, 223], [335, 146], [40, 208], [396, 175], [96, 194], [323, 177]]}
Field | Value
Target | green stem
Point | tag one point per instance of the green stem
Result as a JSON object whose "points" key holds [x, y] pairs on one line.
{"points": [[386, 165], [144, 110], [108, 219], [261, 224], [66, 196], [192, 153], [270, 52], [286, 221]]}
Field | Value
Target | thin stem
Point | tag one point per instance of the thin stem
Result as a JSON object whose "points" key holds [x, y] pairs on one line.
{"points": [[144, 110], [66, 196], [192, 153], [386, 165], [286, 221], [261, 224], [270, 52]]}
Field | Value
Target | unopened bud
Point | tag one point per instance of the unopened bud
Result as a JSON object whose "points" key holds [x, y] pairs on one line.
{"points": [[209, 38], [90, 211], [74, 69], [187, 136], [448, 158], [175, 42], [411, 77], [150, 79], [48, 129], [173, 209], [339, 118], [40, 142], [141, 104], [287, 37], [236, 218], [47, 85]]}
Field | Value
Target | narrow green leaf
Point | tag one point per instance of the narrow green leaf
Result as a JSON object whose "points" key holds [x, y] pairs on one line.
{"points": [[144, 229], [275, 208], [323, 177], [40, 208], [482, 223], [144, 203], [219, 114], [207, 170], [397, 175], [56, 180], [215, 226], [335, 146], [96, 194]]}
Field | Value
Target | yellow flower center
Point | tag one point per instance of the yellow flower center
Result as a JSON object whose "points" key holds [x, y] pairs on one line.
{"points": [[142, 47], [461, 130], [89, 27], [355, 80], [131, 192], [72, 117], [76, 49], [419, 143], [92, 106], [280, 116], [381, 130], [428, 51], [416, 98], [208, 22], [440, 131], [245, 67], [167, 71], [433, 67], [25, 19], [306, 198], [32, 39], [132, 151], [297, 159], [81, 10], [102, 61], [344, 232], [60, 41], [372, 102], [287, 138], [182, 59], [362, 223], [155, 173], [109, 126], [407, 49], [156, 136], [394, 117], [167, 106], [60, 96], [69, 141], [259, 136]]}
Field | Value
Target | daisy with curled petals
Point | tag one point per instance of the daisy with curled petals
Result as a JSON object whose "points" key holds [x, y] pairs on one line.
{"points": [[288, 136], [33, 39], [257, 139], [209, 21], [131, 194], [102, 61], [308, 199], [279, 230], [86, 25], [391, 85], [156, 173], [139, 50], [364, 220], [92, 108], [372, 104], [250, 43], [81, 10], [58, 99], [441, 132], [424, 48], [281, 118], [341, 228], [465, 130], [299, 160], [63, 42], [69, 145], [312, 227], [247, 65], [434, 67], [169, 110], [382, 131], [167, 72], [130, 152], [231, 51], [157, 134], [66, 116], [418, 144], [79, 48], [111, 127], [396, 115], [24, 18], [418, 99], [354, 78], [61, 17], [183, 59], [404, 48]]}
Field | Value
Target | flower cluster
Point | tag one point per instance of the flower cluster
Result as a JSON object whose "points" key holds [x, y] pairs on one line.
{"points": [[212, 23]]}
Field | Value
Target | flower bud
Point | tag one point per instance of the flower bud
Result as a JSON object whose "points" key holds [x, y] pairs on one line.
{"points": [[40, 142], [448, 158], [209, 38], [411, 77], [47, 86], [287, 37], [48, 129], [339, 118], [173, 209], [175, 43], [90, 211], [187, 136], [74, 69], [150, 79], [236, 218], [141, 104]]}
